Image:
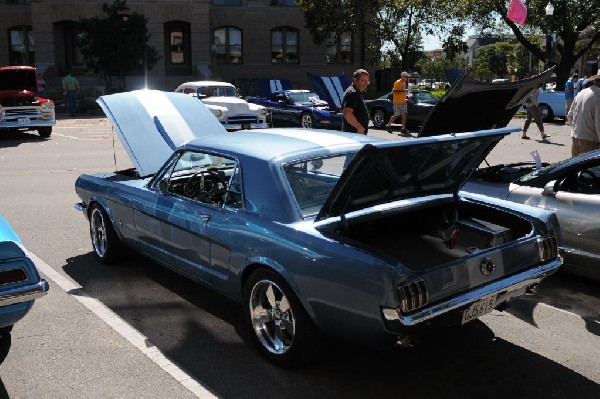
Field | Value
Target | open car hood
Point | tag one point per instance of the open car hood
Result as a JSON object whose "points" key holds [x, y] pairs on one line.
{"points": [[381, 173], [330, 89], [152, 124], [17, 83], [471, 105]]}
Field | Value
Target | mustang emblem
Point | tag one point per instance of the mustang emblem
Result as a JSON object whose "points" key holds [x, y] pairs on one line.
{"points": [[487, 267]]}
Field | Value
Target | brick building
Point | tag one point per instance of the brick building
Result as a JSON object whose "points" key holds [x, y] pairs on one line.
{"points": [[238, 41]]}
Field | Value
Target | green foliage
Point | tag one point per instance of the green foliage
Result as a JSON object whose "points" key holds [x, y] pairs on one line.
{"points": [[571, 20], [435, 67], [390, 29], [502, 58], [116, 45]]}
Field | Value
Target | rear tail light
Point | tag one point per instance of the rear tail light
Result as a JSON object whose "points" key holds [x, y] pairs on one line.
{"points": [[413, 295], [547, 248]]}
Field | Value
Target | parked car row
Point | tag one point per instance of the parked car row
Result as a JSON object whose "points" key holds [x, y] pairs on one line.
{"points": [[301, 226], [301, 108]]}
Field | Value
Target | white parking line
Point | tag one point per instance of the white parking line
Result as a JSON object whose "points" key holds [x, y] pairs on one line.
{"points": [[137, 339]]}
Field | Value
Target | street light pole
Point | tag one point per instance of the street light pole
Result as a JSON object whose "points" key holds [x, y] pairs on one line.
{"points": [[549, 13]]}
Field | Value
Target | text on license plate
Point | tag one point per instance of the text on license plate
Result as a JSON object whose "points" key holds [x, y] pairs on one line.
{"points": [[23, 120], [246, 126], [479, 308]]}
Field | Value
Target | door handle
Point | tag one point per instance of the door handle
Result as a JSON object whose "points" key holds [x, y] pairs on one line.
{"points": [[203, 216]]}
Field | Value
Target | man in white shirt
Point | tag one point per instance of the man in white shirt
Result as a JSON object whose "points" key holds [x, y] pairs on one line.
{"points": [[584, 117]]}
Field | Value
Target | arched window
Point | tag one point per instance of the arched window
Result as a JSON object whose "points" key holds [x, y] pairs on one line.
{"points": [[339, 50], [21, 46], [227, 45], [177, 48], [284, 45]]}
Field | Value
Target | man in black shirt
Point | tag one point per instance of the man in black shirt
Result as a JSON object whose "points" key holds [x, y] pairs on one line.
{"points": [[354, 110]]}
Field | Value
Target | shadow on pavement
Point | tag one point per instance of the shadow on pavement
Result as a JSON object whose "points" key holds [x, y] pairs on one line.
{"points": [[203, 333]]}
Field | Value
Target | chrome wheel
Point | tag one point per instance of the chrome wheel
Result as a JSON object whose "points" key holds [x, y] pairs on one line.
{"points": [[307, 121], [272, 317], [380, 118], [107, 245], [98, 232], [546, 112]]}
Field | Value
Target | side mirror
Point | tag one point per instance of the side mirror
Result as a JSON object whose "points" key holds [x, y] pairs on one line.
{"points": [[550, 189], [163, 185]]}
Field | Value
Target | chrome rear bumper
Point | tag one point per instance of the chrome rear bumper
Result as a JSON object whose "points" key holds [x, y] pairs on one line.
{"points": [[506, 289], [24, 293]]}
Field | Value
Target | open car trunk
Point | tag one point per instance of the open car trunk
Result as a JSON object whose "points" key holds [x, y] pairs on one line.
{"points": [[429, 237]]}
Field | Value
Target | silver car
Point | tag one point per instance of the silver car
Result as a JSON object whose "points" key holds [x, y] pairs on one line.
{"points": [[570, 188]]}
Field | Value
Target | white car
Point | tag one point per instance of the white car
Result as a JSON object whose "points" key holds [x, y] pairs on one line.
{"points": [[223, 100]]}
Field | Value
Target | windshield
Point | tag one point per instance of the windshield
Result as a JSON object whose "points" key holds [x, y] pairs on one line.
{"points": [[546, 170], [217, 91], [304, 97], [312, 180], [424, 97]]}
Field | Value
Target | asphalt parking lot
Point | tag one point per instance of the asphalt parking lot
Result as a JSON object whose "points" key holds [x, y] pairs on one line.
{"points": [[138, 330], [512, 148]]}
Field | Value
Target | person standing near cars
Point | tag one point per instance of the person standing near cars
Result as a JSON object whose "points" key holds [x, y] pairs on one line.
{"points": [[533, 112], [400, 94], [584, 117], [70, 91], [354, 111], [570, 91]]}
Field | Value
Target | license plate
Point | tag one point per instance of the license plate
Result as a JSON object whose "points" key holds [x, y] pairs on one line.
{"points": [[245, 126], [23, 120], [479, 308]]}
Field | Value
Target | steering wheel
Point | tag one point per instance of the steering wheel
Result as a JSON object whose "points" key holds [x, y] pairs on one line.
{"points": [[588, 182], [212, 185]]}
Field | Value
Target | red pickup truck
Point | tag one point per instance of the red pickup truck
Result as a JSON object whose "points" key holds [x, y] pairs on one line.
{"points": [[20, 106]]}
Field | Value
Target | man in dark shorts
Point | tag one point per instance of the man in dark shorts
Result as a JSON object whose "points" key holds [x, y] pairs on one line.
{"points": [[354, 110]]}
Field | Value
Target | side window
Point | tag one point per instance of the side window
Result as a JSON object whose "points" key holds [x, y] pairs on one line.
{"points": [[233, 196], [284, 45], [204, 177], [227, 45], [339, 49], [21, 49], [177, 39]]}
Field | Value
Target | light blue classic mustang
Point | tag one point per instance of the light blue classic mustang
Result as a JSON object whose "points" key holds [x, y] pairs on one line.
{"points": [[20, 284], [315, 231]]}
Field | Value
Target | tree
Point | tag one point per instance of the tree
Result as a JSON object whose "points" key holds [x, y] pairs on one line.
{"points": [[116, 45], [435, 67], [393, 27], [500, 59], [570, 19]]}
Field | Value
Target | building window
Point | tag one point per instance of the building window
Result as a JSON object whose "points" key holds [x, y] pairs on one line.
{"points": [[21, 46], [68, 53], [235, 3], [284, 46], [339, 50], [177, 48], [283, 3], [227, 45]]}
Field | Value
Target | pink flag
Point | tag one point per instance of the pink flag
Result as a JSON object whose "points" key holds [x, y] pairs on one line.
{"points": [[517, 11]]}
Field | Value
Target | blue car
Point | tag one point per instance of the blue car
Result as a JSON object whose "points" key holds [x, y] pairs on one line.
{"points": [[316, 232], [301, 108], [20, 284], [552, 104]]}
